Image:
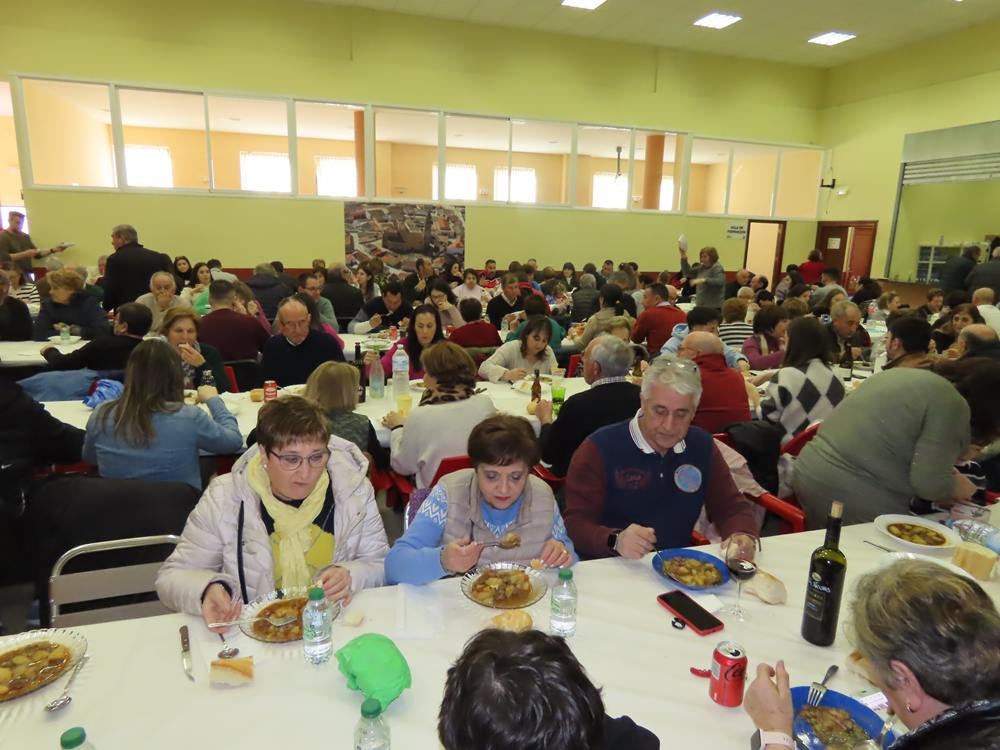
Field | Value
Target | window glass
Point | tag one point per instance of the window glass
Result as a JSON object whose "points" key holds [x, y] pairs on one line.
{"points": [[249, 144], [264, 172], [10, 172], [708, 176], [164, 137], [149, 166], [479, 142], [667, 149], [751, 185], [328, 137], [336, 176], [602, 151], [609, 190], [545, 148], [522, 184], [459, 182], [406, 148], [798, 182]]}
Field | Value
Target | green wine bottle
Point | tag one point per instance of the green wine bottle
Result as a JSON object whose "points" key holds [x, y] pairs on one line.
{"points": [[825, 584]]}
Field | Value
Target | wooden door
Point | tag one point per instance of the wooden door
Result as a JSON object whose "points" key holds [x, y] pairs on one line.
{"points": [[859, 263], [832, 239], [765, 248]]}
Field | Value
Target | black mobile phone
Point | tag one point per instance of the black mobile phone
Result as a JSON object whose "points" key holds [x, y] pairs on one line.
{"points": [[692, 614]]}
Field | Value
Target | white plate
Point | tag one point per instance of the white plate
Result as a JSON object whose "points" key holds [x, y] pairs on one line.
{"points": [[952, 539], [59, 340], [72, 640], [292, 390], [890, 559], [260, 602], [538, 584]]}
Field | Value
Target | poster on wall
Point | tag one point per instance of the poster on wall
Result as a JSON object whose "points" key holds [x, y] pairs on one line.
{"points": [[400, 233]]}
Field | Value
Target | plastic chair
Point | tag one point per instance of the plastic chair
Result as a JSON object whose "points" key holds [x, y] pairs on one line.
{"points": [[92, 585], [724, 438], [794, 446], [574, 365], [245, 371], [414, 497], [552, 480], [234, 386], [794, 517]]}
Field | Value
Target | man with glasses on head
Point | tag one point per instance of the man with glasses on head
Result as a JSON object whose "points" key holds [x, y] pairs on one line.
{"points": [[290, 356], [640, 485]]}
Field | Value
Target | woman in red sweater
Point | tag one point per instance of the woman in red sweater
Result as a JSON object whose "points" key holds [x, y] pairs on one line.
{"points": [[476, 331], [812, 268]]}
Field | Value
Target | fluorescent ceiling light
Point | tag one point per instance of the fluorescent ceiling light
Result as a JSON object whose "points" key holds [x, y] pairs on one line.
{"points": [[831, 38], [717, 20], [585, 4]]}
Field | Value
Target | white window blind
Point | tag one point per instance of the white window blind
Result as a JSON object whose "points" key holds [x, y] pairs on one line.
{"points": [[523, 185], [265, 172], [460, 182], [149, 166], [666, 194], [336, 176], [609, 191]]}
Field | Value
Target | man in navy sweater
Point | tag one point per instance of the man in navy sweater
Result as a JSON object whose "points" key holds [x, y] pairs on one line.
{"points": [[640, 485], [290, 357]]}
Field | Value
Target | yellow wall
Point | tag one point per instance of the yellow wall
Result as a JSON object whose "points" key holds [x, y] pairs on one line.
{"points": [[10, 174]]}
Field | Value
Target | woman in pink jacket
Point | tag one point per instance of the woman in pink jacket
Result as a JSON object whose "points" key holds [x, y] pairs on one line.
{"points": [[766, 348]]}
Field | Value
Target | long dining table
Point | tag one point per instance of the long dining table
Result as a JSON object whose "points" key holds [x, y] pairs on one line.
{"points": [[133, 692]]}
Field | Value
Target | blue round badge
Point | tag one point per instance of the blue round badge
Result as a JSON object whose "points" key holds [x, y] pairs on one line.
{"points": [[688, 478]]}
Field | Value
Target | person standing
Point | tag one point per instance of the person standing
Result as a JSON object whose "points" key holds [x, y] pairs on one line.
{"points": [[18, 247], [984, 275], [957, 268], [130, 267], [707, 276], [811, 270]]}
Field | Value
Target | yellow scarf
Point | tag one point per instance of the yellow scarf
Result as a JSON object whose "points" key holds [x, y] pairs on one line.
{"points": [[291, 525]]}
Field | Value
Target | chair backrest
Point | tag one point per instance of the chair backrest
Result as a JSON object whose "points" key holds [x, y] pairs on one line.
{"points": [[574, 365], [234, 385], [245, 372], [417, 496], [106, 583], [450, 466], [794, 446]]}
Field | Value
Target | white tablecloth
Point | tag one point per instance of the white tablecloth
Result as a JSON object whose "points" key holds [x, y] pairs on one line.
{"points": [[134, 694], [25, 353]]}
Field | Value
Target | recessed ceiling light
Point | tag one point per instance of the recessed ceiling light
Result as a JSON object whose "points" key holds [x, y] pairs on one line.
{"points": [[831, 38], [585, 4], [717, 20]]}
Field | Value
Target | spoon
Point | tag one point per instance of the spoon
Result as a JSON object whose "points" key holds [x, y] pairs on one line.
{"points": [[509, 540], [228, 652], [64, 700], [277, 622]]}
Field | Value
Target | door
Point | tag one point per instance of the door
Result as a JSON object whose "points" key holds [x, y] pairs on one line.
{"points": [[859, 262], [848, 246], [765, 248]]}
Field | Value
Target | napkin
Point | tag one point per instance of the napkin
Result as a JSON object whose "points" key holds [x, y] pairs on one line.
{"points": [[419, 612]]}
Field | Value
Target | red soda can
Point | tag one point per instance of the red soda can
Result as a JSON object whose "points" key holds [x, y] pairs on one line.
{"points": [[393, 333], [729, 669], [448, 330], [270, 390]]}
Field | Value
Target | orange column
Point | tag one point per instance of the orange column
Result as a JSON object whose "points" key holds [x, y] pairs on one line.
{"points": [[654, 171], [359, 149], [678, 161]]}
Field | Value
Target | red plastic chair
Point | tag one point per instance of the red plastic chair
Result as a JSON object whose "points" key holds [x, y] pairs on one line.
{"points": [[407, 491], [234, 385], [553, 481], [574, 365], [793, 517], [724, 438], [794, 446], [698, 539]]}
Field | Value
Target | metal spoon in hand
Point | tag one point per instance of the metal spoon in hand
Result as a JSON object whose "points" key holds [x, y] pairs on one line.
{"points": [[510, 540]]}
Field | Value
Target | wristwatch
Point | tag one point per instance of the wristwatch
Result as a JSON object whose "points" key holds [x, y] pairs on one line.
{"points": [[613, 541], [775, 738]]}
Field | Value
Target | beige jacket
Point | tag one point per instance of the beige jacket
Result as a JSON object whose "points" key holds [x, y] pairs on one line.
{"points": [[209, 549]]}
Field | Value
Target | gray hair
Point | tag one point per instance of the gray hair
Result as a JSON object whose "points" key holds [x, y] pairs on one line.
{"points": [[745, 292], [676, 374], [265, 269], [587, 281], [79, 270], [943, 626], [163, 274], [613, 355], [125, 232], [984, 296], [843, 307]]}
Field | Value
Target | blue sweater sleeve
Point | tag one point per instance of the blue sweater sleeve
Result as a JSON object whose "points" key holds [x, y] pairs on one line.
{"points": [[560, 535], [416, 556], [89, 453], [219, 433]]}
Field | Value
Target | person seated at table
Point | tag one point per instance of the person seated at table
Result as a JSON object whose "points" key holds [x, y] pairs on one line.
{"points": [[640, 485], [471, 507], [421, 439], [511, 691], [470, 288], [611, 305], [200, 362], [131, 324], [896, 438], [725, 394], [236, 336], [795, 308], [821, 305], [976, 340], [246, 304], [907, 342], [443, 298], [68, 306], [766, 348], [425, 330], [451, 274], [535, 305], [704, 319], [611, 398], [297, 508], [382, 312], [585, 297], [659, 316], [932, 307], [950, 325], [506, 305], [886, 304], [346, 299], [21, 286], [196, 293], [846, 332], [162, 296], [290, 356], [867, 290], [15, 318], [365, 278], [802, 292], [805, 390], [314, 319], [519, 359], [931, 639], [476, 332], [310, 285], [149, 432], [734, 329]]}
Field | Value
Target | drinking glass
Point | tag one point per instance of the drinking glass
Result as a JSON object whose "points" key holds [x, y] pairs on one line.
{"points": [[404, 403], [742, 568]]}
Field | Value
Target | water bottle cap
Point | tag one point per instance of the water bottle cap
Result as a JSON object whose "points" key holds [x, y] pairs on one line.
{"points": [[73, 738], [316, 594], [565, 574], [371, 708]]}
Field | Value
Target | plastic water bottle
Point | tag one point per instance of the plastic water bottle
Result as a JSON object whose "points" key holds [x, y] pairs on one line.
{"points": [[562, 619], [376, 379], [64, 334], [317, 643], [372, 731], [400, 372], [977, 532], [75, 739]]}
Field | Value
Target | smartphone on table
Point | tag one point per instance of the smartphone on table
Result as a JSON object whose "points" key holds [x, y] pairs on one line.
{"points": [[689, 613]]}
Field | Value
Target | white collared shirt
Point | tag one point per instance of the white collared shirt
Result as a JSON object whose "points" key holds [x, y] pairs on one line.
{"points": [[640, 440]]}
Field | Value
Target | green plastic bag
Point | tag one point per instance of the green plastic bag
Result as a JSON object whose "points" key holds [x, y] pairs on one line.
{"points": [[374, 665]]}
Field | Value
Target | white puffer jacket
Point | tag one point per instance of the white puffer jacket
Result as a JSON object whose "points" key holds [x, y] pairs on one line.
{"points": [[230, 511]]}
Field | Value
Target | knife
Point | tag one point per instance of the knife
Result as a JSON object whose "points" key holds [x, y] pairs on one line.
{"points": [[186, 653]]}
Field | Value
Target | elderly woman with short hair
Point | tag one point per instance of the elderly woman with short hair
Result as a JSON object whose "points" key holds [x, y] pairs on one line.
{"points": [[932, 640], [202, 363], [68, 306], [707, 276], [471, 507], [297, 509], [162, 296]]}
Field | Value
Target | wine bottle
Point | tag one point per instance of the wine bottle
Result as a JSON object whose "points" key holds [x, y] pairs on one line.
{"points": [[536, 387], [359, 363], [825, 584]]}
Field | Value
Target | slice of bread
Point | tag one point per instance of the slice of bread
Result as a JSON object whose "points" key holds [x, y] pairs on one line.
{"points": [[231, 672]]}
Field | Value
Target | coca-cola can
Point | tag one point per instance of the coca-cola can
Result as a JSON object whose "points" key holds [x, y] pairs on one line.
{"points": [[270, 390], [393, 333], [729, 669]]}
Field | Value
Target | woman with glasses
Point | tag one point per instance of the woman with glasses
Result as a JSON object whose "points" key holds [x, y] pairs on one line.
{"points": [[296, 510]]}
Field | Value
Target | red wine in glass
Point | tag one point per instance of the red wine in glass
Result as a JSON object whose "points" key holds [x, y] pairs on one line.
{"points": [[742, 570]]}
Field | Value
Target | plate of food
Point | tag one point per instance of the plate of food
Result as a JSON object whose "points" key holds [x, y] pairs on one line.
{"points": [[277, 605], [915, 533], [32, 660], [504, 585], [60, 340], [377, 344], [417, 385], [886, 560], [837, 723], [691, 569]]}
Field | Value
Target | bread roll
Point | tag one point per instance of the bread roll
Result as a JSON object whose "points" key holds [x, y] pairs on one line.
{"points": [[257, 394], [532, 407], [514, 620], [768, 588]]}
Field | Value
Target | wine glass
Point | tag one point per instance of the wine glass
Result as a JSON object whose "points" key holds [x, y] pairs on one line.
{"points": [[742, 567]]}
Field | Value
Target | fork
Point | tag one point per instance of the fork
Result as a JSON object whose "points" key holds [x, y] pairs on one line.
{"points": [[818, 689], [277, 622]]}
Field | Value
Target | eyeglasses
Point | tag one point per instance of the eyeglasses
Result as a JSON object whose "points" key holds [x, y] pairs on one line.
{"points": [[292, 461]]}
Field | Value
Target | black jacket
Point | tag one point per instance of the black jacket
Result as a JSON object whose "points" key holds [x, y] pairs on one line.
{"points": [[624, 734], [126, 276], [954, 271], [104, 353], [584, 303], [971, 726], [82, 311], [292, 365], [346, 299], [15, 320], [269, 291], [29, 432], [498, 307], [985, 274]]}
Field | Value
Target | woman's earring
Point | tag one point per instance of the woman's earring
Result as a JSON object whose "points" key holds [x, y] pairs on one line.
{"points": [[908, 708]]}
